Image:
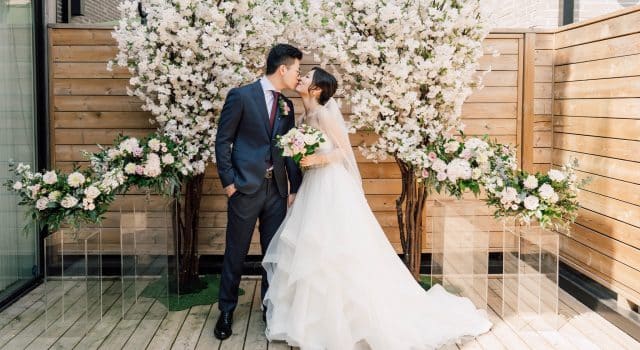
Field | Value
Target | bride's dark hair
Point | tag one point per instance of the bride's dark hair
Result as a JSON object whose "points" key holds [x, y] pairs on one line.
{"points": [[324, 81]]}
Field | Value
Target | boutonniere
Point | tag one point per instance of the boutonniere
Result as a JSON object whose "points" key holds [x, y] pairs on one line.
{"points": [[284, 107]]}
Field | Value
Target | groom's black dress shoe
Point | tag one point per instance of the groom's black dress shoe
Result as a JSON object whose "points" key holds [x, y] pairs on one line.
{"points": [[264, 314], [223, 326]]}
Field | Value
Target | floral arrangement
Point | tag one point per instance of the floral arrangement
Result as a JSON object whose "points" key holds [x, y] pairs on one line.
{"points": [[54, 198], [147, 163], [300, 142], [549, 198]]}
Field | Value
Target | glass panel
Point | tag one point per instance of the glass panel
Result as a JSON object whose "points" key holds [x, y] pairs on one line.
{"points": [[530, 277], [73, 282], [145, 233], [18, 258], [460, 250]]}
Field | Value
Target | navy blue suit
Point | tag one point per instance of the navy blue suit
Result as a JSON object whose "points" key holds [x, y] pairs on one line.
{"points": [[245, 146]]}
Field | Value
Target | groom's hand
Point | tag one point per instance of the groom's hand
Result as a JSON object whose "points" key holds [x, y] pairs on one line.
{"points": [[230, 190], [291, 198]]}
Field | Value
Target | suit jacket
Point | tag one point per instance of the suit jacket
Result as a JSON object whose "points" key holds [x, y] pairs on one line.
{"points": [[244, 143]]}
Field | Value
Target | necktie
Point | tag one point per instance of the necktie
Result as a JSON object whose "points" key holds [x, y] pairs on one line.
{"points": [[274, 109]]}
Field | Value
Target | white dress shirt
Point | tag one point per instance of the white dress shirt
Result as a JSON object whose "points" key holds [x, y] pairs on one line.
{"points": [[267, 88]]}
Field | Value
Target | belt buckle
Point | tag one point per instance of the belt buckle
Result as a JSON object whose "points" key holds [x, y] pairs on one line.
{"points": [[269, 174]]}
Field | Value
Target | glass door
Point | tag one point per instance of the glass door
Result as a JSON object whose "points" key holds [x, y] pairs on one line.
{"points": [[18, 249]]}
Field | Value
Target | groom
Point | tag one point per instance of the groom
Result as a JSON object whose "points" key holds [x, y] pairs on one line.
{"points": [[253, 172]]}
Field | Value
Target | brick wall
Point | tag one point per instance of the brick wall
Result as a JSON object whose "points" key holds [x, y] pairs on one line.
{"points": [[95, 11], [546, 13]]}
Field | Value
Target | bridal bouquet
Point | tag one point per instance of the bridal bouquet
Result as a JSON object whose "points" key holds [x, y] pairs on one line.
{"points": [[300, 142], [53, 198]]}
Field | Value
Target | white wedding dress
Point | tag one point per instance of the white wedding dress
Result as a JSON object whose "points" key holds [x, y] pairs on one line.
{"points": [[335, 281]]}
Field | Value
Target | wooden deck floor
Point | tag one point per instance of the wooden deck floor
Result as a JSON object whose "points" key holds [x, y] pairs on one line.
{"points": [[22, 326]]}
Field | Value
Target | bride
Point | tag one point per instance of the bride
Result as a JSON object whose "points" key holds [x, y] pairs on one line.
{"points": [[335, 281]]}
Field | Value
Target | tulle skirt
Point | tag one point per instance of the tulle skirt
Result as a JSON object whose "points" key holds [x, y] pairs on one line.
{"points": [[336, 283]]}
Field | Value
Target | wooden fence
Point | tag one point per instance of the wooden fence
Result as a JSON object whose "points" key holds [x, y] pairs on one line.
{"points": [[89, 105], [571, 92], [596, 107]]}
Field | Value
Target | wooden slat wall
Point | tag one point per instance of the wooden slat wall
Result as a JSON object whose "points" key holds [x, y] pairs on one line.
{"points": [[597, 120], [89, 105], [542, 107]]}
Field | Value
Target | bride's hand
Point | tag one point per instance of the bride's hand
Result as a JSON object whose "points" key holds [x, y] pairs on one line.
{"points": [[310, 160]]}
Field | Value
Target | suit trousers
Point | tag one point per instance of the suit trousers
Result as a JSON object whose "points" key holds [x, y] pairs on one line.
{"points": [[243, 211]]}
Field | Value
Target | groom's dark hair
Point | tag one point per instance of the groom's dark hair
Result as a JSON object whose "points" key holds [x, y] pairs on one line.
{"points": [[282, 54]]}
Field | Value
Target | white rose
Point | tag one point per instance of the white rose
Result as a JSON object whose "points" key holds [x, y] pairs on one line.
{"points": [[54, 196], [451, 146], [91, 192], [69, 202], [50, 177], [17, 186], [554, 198], [531, 182], [168, 159], [76, 179], [41, 204], [556, 175], [154, 144], [130, 169], [514, 207], [531, 202], [546, 191]]}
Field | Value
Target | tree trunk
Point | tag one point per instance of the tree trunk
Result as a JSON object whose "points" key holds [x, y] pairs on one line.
{"points": [[186, 216], [409, 208]]}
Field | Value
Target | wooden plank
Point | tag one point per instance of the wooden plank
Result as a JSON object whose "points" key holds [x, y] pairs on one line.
{"points": [[503, 46], [613, 107], [97, 103], [605, 68], [241, 317], [494, 94], [84, 53], [628, 129], [166, 334], [606, 147], [147, 327], [610, 25], [103, 137], [192, 327], [526, 158], [74, 323], [597, 321], [542, 57], [545, 41], [543, 90], [77, 36], [540, 155], [613, 228], [612, 248], [21, 305], [608, 167], [99, 87], [601, 88], [610, 207], [543, 74], [99, 120], [91, 70], [256, 338], [502, 62], [20, 337], [614, 272], [489, 110], [499, 78], [613, 188], [34, 312], [615, 47]]}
